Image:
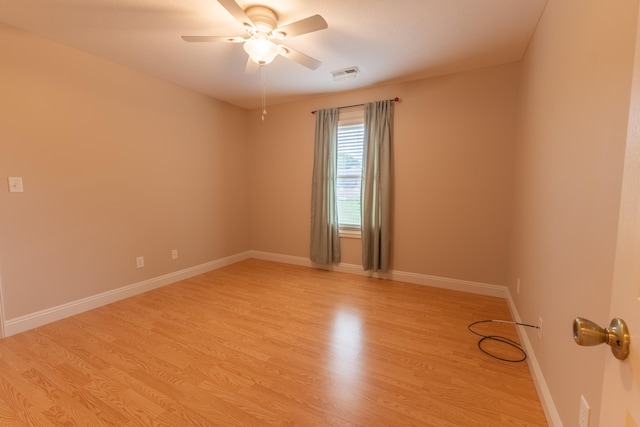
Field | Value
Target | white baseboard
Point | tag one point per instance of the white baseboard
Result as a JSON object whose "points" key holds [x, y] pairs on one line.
{"points": [[39, 318], [549, 407], [401, 276]]}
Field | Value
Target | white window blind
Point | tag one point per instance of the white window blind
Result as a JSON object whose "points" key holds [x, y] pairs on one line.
{"points": [[350, 144]]}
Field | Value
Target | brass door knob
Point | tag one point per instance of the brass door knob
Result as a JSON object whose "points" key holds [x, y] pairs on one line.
{"points": [[586, 332]]}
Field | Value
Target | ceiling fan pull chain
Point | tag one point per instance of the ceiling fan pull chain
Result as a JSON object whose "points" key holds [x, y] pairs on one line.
{"points": [[264, 89]]}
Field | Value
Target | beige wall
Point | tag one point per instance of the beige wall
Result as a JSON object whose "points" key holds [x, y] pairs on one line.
{"points": [[575, 93], [115, 165], [452, 164]]}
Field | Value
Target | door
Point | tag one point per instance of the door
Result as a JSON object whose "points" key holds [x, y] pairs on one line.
{"points": [[1, 309], [620, 405]]}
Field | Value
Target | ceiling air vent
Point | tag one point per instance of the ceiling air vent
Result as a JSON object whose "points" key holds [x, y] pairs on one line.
{"points": [[345, 74]]}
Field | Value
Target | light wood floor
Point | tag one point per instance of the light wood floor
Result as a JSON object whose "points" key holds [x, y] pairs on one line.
{"points": [[260, 343]]}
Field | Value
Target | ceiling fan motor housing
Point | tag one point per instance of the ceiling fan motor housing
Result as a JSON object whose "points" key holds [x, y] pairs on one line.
{"points": [[264, 19]]}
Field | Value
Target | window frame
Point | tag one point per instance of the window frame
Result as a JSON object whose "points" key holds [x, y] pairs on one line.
{"points": [[349, 117]]}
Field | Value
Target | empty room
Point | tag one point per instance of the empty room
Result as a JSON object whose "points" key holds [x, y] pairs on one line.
{"points": [[364, 213]]}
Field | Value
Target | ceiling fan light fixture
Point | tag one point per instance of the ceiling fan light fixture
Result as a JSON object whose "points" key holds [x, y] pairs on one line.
{"points": [[261, 26], [261, 50]]}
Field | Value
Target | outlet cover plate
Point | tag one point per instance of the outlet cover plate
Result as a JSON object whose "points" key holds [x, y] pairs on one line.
{"points": [[540, 327], [585, 413], [15, 184]]}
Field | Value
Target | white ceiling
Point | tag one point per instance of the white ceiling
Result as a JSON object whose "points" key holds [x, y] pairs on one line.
{"points": [[388, 40]]}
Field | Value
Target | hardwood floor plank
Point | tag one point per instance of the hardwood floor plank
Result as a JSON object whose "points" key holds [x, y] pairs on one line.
{"points": [[266, 344]]}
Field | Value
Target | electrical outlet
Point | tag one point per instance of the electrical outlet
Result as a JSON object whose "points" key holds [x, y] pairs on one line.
{"points": [[585, 413], [540, 327], [140, 262], [518, 286], [15, 184], [174, 254]]}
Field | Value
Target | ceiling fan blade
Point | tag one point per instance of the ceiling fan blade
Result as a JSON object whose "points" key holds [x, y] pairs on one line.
{"points": [[251, 67], [304, 26], [298, 57], [236, 11], [208, 39]]}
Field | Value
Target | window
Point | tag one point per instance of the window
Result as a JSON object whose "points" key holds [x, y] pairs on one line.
{"points": [[350, 144]]}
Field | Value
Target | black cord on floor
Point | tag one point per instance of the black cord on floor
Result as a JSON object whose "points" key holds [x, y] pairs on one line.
{"points": [[498, 338]]}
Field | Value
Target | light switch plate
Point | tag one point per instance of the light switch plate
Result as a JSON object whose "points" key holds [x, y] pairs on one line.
{"points": [[15, 184]]}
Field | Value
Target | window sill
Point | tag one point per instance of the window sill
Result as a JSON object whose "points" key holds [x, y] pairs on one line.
{"points": [[351, 234]]}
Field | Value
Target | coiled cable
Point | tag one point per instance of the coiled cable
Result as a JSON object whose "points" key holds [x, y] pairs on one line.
{"points": [[500, 339]]}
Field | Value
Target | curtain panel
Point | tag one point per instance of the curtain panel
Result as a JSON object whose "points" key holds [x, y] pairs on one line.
{"points": [[325, 236], [376, 185]]}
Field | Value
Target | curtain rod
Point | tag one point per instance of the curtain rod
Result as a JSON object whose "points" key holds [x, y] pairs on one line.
{"points": [[396, 99]]}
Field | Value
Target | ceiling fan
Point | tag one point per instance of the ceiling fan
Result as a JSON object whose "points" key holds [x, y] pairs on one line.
{"points": [[261, 25]]}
